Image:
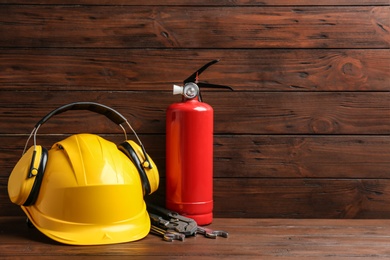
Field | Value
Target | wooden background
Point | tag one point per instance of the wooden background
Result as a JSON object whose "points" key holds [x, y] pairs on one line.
{"points": [[304, 134]]}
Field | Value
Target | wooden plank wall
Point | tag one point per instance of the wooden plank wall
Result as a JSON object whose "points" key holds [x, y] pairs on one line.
{"points": [[304, 134]]}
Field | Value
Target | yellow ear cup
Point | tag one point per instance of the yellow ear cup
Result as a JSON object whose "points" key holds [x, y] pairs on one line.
{"points": [[151, 172], [23, 177]]}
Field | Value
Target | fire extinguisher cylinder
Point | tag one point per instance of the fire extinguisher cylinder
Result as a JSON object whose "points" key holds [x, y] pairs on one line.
{"points": [[189, 151], [189, 161]]}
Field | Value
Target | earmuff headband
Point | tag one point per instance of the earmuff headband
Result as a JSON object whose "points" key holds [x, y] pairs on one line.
{"points": [[110, 113]]}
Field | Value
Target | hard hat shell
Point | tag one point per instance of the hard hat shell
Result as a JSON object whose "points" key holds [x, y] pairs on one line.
{"points": [[91, 194]]}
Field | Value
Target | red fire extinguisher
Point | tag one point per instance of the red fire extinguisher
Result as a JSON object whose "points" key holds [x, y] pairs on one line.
{"points": [[189, 151]]}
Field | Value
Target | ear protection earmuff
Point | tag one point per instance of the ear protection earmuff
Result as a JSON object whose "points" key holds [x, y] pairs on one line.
{"points": [[26, 178]]}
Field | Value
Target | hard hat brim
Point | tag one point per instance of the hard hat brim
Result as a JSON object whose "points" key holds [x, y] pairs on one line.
{"points": [[91, 234]]}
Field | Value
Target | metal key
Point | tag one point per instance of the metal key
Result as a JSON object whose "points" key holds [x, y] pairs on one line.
{"points": [[167, 235], [209, 233]]}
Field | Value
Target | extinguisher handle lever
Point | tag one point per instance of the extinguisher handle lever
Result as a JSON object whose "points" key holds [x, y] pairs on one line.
{"points": [[194, 78], [195, 75]]}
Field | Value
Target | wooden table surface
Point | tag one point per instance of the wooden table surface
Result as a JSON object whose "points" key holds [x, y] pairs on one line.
{"points": [[248, 239]]}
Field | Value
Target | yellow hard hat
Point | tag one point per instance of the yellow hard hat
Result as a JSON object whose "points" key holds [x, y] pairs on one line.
{"points": [[91, 194], [85, 190]]}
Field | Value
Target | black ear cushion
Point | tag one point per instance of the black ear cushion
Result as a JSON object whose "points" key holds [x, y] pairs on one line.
{"points": [[127, 149], [32, 197]]}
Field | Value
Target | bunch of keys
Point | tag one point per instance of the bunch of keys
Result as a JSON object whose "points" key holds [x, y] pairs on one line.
{"points": [[173, 226]]}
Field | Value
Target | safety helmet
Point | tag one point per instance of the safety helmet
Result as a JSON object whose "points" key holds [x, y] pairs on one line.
{"points": [[90, 190]]}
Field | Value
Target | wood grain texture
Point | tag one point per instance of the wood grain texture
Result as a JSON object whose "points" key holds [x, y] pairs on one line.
{"points": [[174, 27], [206, 2], [258, 156], [297, 198], [243, 70], [263, 112], [249, 239], [286, 176], [309, 198]]}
